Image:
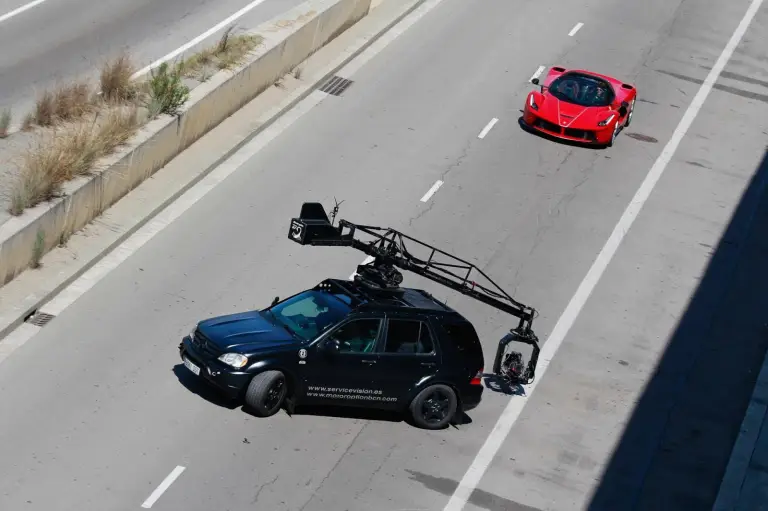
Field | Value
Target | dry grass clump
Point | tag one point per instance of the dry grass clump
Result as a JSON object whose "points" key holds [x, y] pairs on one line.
{"points": [[115, 80], [119, 126], [66, 103], [5, 122], [71, 102], [227, 53], [64, 155]]}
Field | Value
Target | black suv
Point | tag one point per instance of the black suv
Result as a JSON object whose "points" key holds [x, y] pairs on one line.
{"points": [[344, 343]]}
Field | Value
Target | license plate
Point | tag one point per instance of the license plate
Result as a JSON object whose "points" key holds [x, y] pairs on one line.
{"points": [[192, 367]]}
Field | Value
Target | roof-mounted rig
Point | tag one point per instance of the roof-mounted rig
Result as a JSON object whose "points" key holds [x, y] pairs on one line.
{"points": [[388, 249]]}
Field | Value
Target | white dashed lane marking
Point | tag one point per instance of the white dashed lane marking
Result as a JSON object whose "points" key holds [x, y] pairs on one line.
{"points": [[432, 191], [167, 482], [537, 73], [487, 128], [575, 29]]}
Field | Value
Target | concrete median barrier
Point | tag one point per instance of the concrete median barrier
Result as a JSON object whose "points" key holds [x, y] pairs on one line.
{"points": [[289, 39]]}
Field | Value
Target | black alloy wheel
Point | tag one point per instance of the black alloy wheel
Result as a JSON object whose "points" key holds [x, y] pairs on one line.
{"points": [[434, 407], [275, 393]]}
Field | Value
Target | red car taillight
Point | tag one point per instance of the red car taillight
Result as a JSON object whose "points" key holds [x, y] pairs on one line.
{"points": [[478, 379]]}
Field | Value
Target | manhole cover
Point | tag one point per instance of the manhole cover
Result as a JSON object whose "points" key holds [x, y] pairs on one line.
{"points": [[641, 137]]}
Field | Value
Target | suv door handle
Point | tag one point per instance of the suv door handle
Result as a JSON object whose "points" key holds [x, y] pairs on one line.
{"points": [[428, 364], [369, 361]]}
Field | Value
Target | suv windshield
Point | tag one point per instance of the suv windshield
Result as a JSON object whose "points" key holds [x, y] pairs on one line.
{"points": [[581, 90], [309, 313]]}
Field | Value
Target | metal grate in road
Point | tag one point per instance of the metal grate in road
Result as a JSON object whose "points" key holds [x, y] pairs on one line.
{"points": [[336, 86], [40, 319]]}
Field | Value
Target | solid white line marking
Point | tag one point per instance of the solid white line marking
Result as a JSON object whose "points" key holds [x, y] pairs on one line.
{"points": [[741, 455], [575, 29], [19, 10], [487, 128], [168, 481], [178, 51], [537, 73], [432, 191], [512, 411]]}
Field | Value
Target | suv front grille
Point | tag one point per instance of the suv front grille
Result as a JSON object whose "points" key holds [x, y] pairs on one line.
{"points": [[205, 345]]}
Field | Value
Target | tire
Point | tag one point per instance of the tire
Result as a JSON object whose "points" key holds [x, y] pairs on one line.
{"points": [[442, 398], [266, 393]]}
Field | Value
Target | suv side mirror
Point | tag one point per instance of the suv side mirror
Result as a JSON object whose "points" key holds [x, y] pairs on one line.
{"points": [[535, 81], [275, 301]]}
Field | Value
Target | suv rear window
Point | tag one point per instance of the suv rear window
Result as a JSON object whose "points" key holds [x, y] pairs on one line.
{"points": [[464, 338]]}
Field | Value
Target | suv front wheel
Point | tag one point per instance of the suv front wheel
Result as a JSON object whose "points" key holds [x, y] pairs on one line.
{"points": [[434, 407], [266, 393]]}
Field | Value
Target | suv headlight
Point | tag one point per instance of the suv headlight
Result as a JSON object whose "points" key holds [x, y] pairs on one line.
{"points": [[606, 121], [235, 360]]}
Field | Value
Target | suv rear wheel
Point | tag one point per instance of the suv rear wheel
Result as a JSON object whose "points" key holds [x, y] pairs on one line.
{"points": [[266, 393], [434, 407]]}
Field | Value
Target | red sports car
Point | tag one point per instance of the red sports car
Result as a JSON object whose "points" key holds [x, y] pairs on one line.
{"points": [[581, 106]]}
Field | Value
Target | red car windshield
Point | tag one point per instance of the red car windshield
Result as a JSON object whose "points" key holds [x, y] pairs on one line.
{"points": [[581, 90]]}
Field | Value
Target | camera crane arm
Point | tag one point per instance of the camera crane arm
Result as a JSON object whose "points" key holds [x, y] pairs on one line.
{"points": [[388, 249]]}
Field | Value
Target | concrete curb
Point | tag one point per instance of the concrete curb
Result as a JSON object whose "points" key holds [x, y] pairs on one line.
{"points": [[289, 39], [35, 303]]}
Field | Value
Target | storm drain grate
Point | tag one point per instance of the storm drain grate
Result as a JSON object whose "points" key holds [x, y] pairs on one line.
{"points": [[336, 86], [40, 319]]}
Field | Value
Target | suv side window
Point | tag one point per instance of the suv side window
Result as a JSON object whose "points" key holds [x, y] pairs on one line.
{"points": [[462, 335], [358, 336], [408, 336]]}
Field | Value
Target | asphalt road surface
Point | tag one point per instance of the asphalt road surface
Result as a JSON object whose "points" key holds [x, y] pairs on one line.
{"points": [[60, 40], [97, 411]]}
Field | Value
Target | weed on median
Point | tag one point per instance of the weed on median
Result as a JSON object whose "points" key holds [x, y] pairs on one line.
{"points": [[167, 93], [229, 52], [77, 124], [115, 81], [72, 151], [5, 122], [66, 103]]}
